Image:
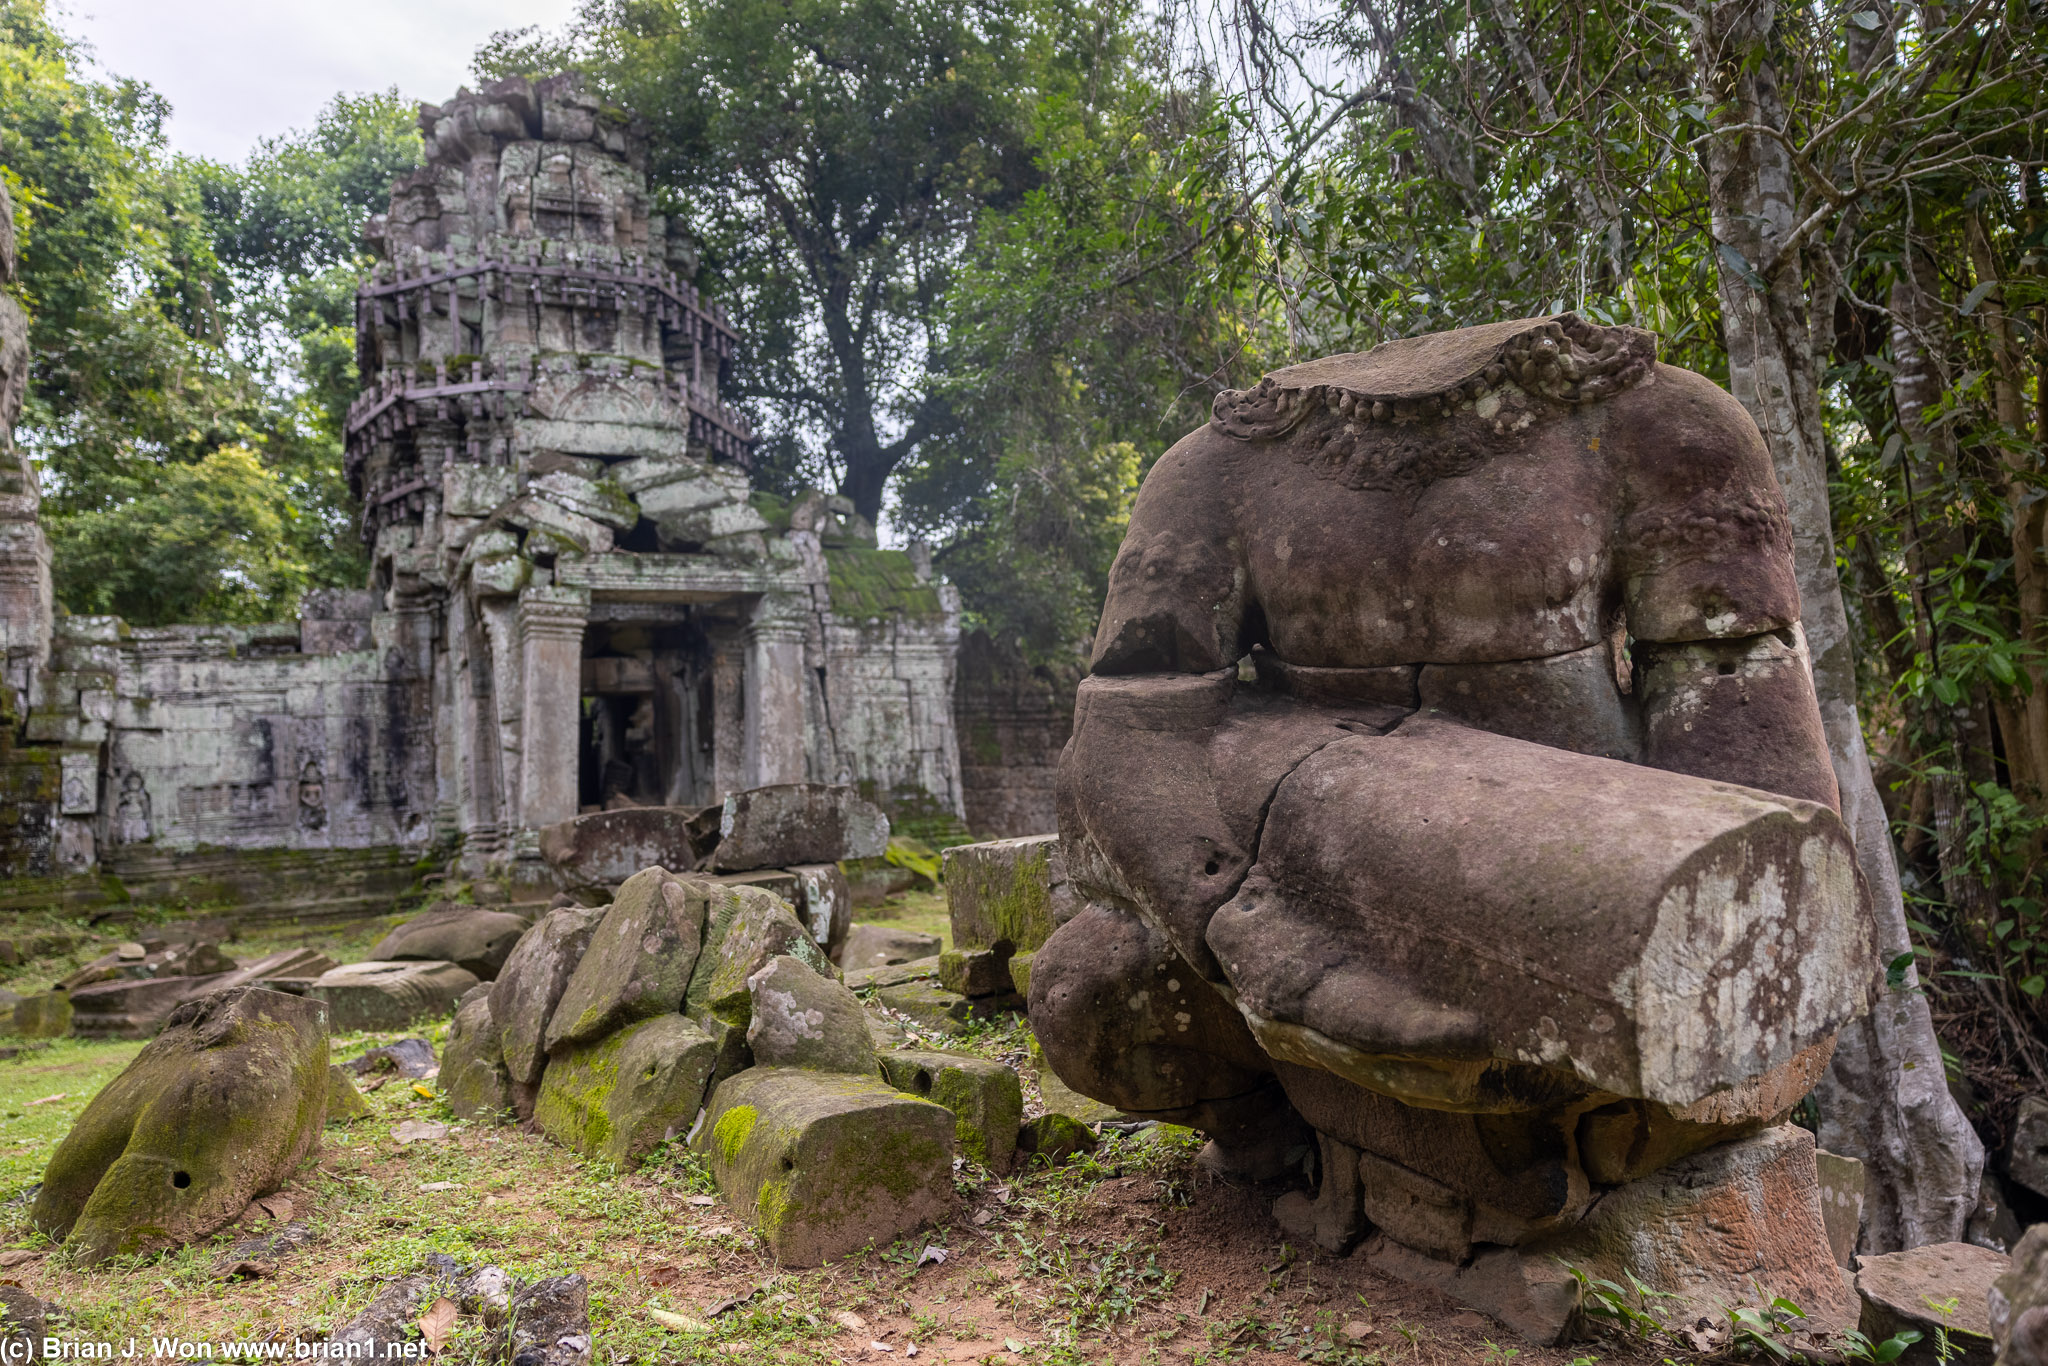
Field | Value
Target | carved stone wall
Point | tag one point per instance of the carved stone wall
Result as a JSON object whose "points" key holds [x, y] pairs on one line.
{"points": [[1013, 720]]}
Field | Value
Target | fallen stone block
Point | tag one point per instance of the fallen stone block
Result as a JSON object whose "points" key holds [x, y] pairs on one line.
{"points": [[1054, 1138], [976, 972], [1912, 1289], [639, 962], [622, 1097], [411, 1058], [475, 939], [473, 1077], [345, 1104], [2017, 1306], [1841, 1202], [384, 1330], [286, 964], [219, 1108], [746, 928], [824, 902], [895, 975], [2027, 1158], [801, 1019], [931, 1005], [1020, 973], [985, 1097], [528, 987], [133, 1007], [791, 823], [377, 995], [1010, 892], [45, 1015], [880, 946], [604, 848], [152, 958], [823, 1164], [548, 1324], [775, 881]]}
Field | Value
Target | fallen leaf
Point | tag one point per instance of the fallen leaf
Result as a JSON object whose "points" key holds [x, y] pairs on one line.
{"points": [[982, 1216], [47, 1099], [682, 1323], [880, 1347], [910, 1350], [850, 1321], [703, 1200], [373, 1083], [423, 1090], [278, 1207], [418, 1131], [18, 1256], [1470, 1320], [718, 1231], [1012, 1345], [930, 1254], [1357, 1329], [441, 1185], [661, 1277], [436, 1323]]}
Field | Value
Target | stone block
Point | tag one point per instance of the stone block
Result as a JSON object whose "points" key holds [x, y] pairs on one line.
{"points": [[702, 526], [604, 848], [1414, 1210], [132, 1007], [500, 575], [1010, 892], [931, 1005], [476, 490], [528, 987], [824, 1164], [824, 902], [2027, 1159], [45, 1015], [221, 1107], [639, 961], [589, 498], [792, 823], [875, 946], [622, 1097], [155, 958], [976, 972], [345, 1104], [985, 1097], [1020, 973], [1911, 1289], [2018, 1304], [1054, 1138], [801, 1019], [473, 1078], [1841, 1202], [775, 881], [895, 974], [375, 995], [746, 928], [474, 938]]}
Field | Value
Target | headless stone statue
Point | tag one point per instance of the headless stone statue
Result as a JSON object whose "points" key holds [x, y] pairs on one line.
{"points": [[1450, 777]]}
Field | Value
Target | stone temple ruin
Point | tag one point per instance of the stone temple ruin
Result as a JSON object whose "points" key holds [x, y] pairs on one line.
{"points": [[575, 599]]}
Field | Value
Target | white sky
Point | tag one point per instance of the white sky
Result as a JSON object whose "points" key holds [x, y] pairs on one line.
{"points": [[238, 70]]}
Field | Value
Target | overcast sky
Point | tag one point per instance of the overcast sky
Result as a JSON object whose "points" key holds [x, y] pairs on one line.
{"points": [[238, 70]]}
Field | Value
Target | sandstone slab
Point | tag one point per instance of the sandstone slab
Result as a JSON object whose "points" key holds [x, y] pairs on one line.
{"points": [[345, 1104], [152, 958], [824, 902], [2017, 1306], [791, 823], [802, 1019], [473, 938], [221, 1107], [132, 1007], [976, 972], [604, 848], [528, 987], [931, 1005], [473, 1076], [745, 929], [2027, 1158], [1008, 892], [986, 1099], [1053, 1138], [1841, 1202], [824, 1164], [1939, 1288], [44, 1015], [879, 946], [894, 975], [622, 1097], [639, 961], [375, 995]]}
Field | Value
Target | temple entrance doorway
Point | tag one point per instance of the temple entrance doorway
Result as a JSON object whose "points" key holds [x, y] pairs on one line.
{"points": [[646, 732]]}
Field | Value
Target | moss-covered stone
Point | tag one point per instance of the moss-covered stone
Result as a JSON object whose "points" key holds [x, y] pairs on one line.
{"points": [[868, 583], [530, 985], [977, 972], [345, 1104], [985, 1097], [827, 1163], [473, 1076], [1055, 1138], [220, 1108], [804, 1020], [45, 1015], [639, 961], [377, 995], [746, 928], [1020, 973], [1006, 892], [622, 1097], [931, 1005]]}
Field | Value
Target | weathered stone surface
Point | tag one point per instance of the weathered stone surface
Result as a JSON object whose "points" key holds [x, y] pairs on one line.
{"points": [[1908, 1289], [413, 1058], [549, 1323], [825, 1163], [528, 987], [385, 1328], [976, 972], [2027, 1158], [877, 946], [802, 1019], [605, 848], [45, 1015], [639, 961], [473, 1075], [24, 1320], [1841, 1202], [791, 823], [867, 979], [220, 1108], [473, 938], [622, 1097], [2017, 1307], [154, 958], [824, 902], [345, 1104], [132, 1007], [985, 1097], [376, 995], [746, 928], [1053, 1138], [931, 1005], [1012, 892]]}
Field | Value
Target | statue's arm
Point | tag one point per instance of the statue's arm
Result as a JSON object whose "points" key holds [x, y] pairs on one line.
{"points": [[1177, 590], [1721, 666]]}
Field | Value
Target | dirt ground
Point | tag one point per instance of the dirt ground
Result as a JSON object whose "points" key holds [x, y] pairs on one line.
{"points": [[1134, 1254]]}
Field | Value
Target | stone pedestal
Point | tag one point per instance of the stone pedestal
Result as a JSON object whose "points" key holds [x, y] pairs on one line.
{"points": [[773, 750]]}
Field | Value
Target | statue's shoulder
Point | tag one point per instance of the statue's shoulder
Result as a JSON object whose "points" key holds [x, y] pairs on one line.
{"points": [[1563, 359]]}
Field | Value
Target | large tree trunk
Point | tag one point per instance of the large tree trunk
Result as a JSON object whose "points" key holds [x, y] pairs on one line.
{"points": [[1886, 1098]]}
